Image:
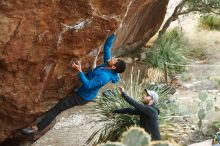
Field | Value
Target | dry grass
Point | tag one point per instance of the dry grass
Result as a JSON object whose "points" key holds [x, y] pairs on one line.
{"points": [[155, 75], [210, 22]]}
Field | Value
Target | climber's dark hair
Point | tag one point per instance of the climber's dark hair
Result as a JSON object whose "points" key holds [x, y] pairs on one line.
{"points": [[120, 66]]}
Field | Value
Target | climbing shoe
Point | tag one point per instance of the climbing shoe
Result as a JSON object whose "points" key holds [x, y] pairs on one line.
{"points": [[28, 131]]}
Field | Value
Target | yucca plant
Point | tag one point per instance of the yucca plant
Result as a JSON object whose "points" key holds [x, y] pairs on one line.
{"points": [[111, 100], [168, 48]]}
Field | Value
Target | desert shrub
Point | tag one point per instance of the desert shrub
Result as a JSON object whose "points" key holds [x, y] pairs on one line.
{"points": [[211, 22]]}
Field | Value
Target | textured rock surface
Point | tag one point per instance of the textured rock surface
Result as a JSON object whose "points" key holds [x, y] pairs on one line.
{"points": [[38, 40]]}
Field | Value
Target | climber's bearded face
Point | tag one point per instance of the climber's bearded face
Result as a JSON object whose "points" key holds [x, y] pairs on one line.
{"points": [[112, 62], [146, 99]]}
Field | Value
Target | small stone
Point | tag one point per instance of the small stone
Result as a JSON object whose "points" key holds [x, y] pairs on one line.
{"points": [[128, 60], [136, 59], [193, 127], [59, 77], [143, 56]]}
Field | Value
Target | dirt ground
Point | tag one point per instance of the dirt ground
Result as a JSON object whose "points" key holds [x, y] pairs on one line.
{"points": [[73, 126]]}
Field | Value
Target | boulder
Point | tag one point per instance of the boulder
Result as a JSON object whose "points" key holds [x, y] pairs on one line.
{"points": [[40, 38]]}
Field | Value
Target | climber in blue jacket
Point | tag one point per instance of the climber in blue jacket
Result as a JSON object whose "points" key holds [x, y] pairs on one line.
{"points": [[91, 84]]}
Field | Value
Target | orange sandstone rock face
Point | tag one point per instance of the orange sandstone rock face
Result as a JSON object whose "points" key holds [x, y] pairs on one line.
{"points": [[38, 40]]}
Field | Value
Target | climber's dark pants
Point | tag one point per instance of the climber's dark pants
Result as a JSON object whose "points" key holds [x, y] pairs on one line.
{"points": [[67, 102]]}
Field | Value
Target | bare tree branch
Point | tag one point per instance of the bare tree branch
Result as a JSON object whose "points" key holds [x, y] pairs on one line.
{"points": [[173, 17], [199, 9], [191, 6]]}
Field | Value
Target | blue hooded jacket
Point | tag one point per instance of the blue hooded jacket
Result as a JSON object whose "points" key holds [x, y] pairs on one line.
{"points": [[98, 77]]}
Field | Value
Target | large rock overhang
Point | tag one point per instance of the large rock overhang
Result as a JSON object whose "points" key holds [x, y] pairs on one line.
{"points": [[39, 39]]}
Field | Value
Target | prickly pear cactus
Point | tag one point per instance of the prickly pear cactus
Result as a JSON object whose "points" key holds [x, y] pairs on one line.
{"points": [[112, 144], [136, 137], [203, 96]]}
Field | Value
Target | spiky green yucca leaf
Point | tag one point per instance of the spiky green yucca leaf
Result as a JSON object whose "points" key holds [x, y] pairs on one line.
{"points": [[136, 137]]}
